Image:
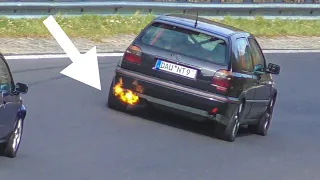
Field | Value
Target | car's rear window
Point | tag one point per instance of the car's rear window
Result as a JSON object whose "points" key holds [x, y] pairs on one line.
{"points": [[186, 42]]}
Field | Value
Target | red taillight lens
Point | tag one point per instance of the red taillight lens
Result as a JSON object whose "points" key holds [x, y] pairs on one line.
{"points": [[133, 55], [214, 110], [222, 80]]}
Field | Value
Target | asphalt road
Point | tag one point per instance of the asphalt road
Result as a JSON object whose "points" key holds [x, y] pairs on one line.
{"points": [[71, 134]]}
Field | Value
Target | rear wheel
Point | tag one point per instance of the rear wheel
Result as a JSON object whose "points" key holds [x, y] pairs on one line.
{"points": [[264, 124], [229, 132], [10, 148], [114, 102]]}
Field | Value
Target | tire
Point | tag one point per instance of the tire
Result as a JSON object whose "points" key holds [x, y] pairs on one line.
{"points": [[114, 102], [229, 132], [263, 125], [10, 148]]}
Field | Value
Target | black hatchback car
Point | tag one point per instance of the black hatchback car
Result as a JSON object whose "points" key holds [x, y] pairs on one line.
{"points": [[198, 68], [12, 111]]}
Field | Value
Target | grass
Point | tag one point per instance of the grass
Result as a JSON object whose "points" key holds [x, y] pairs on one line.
{"points": [[96, 27]]}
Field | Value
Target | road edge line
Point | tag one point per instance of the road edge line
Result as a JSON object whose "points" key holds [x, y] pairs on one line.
{"points": [[53, 56]]}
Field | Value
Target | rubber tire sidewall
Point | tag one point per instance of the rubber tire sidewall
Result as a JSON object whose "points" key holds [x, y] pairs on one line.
{"points": [[225, 132], [259, 128]]}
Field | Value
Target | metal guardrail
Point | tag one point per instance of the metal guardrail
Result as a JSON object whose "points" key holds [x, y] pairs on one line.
{"points": [[181, 1], [268, 10]]}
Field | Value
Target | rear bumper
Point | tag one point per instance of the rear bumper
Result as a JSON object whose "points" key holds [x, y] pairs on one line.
{"points": [[179, 97]]}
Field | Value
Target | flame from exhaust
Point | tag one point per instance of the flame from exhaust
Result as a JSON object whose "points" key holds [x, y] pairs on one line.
{"points": [[127, 95]]}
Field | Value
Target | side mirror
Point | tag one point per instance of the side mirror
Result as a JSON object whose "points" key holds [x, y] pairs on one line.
{"points": [[21, 88], [273, 68], [258, 69]]}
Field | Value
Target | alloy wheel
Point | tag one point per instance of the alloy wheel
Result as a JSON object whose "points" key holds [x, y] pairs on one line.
{"points": [[269, 115], [235, 127], [17, 135], [237, 122]]}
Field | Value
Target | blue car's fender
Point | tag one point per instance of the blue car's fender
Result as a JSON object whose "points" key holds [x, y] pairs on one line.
{"points": [[22, 112]]}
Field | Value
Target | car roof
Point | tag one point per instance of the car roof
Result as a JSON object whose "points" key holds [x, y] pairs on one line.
{"points": [[203, 24]]}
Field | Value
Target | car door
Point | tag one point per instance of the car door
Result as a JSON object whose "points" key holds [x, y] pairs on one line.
{"points": [[9, 102], [242, 72], [263, 80]]}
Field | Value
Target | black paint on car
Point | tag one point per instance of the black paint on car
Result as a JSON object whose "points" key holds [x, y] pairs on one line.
{"points": [[210, 71]]}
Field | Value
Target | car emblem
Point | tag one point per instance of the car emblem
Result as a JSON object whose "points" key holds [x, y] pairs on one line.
{"points": [[178, 57]]}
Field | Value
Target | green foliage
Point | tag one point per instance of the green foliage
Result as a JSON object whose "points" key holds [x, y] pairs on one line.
{"points": [[95, 27]]}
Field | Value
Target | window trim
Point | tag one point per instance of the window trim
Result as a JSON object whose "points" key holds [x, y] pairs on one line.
{"points": [[12, 88], [225, 39], [250, 55], [263, 58]]}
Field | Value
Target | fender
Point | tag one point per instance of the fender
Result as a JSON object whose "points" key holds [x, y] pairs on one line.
{"points": [[274, 91], [247, 106], [22, 112]]}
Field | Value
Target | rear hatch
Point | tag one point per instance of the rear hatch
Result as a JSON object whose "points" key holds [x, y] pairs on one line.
{"points": [[181, 56]]}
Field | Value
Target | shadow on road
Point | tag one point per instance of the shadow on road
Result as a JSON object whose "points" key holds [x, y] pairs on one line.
{"points": [[206, 128]]}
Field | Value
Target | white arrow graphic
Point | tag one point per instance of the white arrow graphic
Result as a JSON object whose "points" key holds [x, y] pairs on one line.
{"points": [[84, 67]]}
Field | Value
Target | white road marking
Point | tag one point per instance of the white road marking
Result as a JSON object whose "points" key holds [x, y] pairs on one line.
{"points": [[53, 56], [292, 51]]}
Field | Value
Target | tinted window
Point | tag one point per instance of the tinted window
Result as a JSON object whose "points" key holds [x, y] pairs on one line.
{"points": [[186, 42], [243, 62], [256, 53], [5, 78]]}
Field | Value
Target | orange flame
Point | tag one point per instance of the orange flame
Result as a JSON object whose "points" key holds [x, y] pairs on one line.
{"points": [[127, 95]]}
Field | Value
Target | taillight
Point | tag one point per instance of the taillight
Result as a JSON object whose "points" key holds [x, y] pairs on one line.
{"points": [[221, 80], [133, 54]]}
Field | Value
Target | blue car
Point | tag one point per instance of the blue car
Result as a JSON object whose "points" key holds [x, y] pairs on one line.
{"points": [[12, 111]]}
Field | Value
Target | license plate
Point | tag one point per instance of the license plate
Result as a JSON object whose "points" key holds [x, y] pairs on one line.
{"points": [[175, 69]]}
